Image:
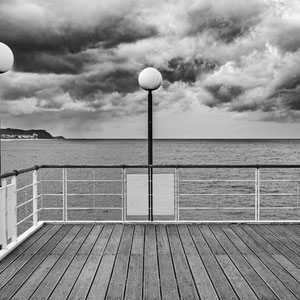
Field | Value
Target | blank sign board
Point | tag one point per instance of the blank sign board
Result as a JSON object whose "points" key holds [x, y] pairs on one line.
{"points": [[137, 194]]}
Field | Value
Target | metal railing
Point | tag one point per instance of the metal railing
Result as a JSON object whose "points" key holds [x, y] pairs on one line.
{"points": [[197, 193]]}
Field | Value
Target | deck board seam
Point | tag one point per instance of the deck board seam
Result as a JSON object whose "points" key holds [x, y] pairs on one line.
{"points": [[87, 256], [57, 243], [264, 263], [143, 273], [187, 261], [274, 245], [277, 251], [128, 262], [33, 291], [32, 258], [291, 232], [32, 242], [233, 262], [204, 265], [113, 265], [217, 261], [157, 258], [276, 237], [99, 262], [57, 282], [66, 269], [253, 267], [173, 264], [25, 263]]}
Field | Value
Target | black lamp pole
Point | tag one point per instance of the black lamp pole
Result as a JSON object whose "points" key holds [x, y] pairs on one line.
{"points": [[150, 79], [150, 157]]}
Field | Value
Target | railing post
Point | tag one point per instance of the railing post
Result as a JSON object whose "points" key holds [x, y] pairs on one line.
{"points": [[34, 196], [3, 216], [13, 220], [257, 194], [65, 197]]}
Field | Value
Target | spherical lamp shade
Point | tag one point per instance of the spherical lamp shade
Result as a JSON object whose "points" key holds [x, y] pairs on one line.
{"points": [[6, 58], [150, 79]]}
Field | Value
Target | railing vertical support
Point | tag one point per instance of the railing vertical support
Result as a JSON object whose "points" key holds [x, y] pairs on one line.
{"points": [[257, 194], [177, 194], [123, 195], [34, 196], [65, 197]]}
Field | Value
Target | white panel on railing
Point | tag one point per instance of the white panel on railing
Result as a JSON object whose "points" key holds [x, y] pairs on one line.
{"points": [[3, 216], [11, 210], [163, 194], [137, 194]]}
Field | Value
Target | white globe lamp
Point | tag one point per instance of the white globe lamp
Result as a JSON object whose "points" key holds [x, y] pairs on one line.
{"points": [[150, 79], [6, 58], [6, 62]]}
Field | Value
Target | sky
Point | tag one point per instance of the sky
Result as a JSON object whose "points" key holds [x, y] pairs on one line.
{"points": [[230, 68]]}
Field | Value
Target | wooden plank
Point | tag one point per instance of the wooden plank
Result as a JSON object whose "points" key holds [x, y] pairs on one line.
{"points": [[253, 279], [151, 285], [294, 228], [134, 286], [218, 278], [168, 281], [37, 277], [85, 279], [283, 236], [101, 280], [287, 279], [53, 278], [281, 247], [278, 256], [23, 259], [232, 272], [203, 283], [69, 278], [293, 235], [117, 282], [24, 273], [279, 289], [186, 285], [4, 263]]}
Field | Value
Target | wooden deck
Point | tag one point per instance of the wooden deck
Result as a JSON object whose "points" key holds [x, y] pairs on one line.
{"points": [[155, 261]]}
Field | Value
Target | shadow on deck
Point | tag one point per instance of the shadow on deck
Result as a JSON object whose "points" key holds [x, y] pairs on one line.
{"points": [[155, 261]]}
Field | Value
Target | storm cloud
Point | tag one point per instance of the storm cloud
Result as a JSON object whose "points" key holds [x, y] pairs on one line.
{"points": [[80, 59]]}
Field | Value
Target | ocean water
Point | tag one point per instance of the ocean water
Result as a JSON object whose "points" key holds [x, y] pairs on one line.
{"points": [[19, 154], [224, 199]]}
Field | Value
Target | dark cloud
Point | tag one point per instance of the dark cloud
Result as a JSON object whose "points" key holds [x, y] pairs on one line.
{"points": [[221, 29], [222, 94], [187, 71], [117, 80], [57, 48], [285, 35], [224, 21]]}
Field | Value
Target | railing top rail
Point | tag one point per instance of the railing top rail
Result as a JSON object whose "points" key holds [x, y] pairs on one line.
{"points": [[163, 166], [173, 166], [17, 172]]}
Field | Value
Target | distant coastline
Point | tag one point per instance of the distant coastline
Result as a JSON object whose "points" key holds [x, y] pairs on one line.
{"points": [[31, 134]]}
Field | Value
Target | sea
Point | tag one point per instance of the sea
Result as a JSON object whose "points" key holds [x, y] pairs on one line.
{"points": [[20, 154], [224, 200]]}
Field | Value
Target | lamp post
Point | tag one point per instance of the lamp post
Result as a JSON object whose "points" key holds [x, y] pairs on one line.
{"points": [[6, 62], [150, 79]]}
